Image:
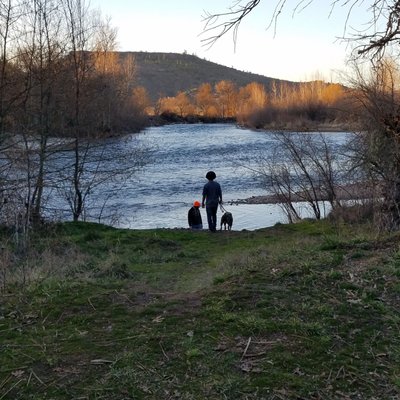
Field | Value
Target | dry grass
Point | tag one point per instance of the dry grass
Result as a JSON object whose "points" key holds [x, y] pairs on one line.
{"points": [[307, 311]]}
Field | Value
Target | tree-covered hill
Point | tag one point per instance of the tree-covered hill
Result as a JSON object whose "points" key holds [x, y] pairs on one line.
{"points": [[165, 74]]}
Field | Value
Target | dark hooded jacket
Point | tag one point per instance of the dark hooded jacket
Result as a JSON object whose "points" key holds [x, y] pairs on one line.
{"points": [[194, 216]]}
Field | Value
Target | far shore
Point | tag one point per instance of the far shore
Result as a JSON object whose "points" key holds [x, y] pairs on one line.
{"points": [[304, 126], [354, 191]]}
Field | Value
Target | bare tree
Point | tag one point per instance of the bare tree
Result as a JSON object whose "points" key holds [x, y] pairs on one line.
{"points": [[304, 168], [10, 92], [100, 92], [79, 30], [104, 169], [205, 100], [226, 98], [251, 100], [371, 39], [59, 78], [40, 55], [278, 177], [377, 150], [183, 104], [141, 100]]}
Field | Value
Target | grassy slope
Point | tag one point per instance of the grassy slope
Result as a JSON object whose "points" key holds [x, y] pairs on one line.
{"points": [[308, 311]]}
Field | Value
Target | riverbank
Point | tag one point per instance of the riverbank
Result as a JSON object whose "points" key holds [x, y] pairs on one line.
{"points": [[355, 191], [291, 126], [170, 119]]}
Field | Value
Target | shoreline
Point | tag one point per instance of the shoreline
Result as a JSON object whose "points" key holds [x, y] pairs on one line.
{"points": [[353, 191], [171, 119]]}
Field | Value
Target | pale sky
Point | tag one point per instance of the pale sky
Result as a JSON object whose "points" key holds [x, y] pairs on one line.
{"points": [[305, 45]]}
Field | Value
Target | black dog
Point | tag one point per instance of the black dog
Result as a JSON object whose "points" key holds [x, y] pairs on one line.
{"points": [[227, 220]]}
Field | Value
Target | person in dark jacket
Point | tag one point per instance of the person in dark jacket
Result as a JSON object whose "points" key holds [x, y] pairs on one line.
{"points": [[194, 216], [212, 197]]}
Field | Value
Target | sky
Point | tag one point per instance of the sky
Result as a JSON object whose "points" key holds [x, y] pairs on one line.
{"points": [[305, 45]]}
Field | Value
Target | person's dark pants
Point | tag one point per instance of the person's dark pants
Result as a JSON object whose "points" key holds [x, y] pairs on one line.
{"points": [[212, 218]]}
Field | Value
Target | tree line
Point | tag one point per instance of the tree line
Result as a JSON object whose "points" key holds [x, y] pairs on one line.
{"points": [[61, 85], [283, 105], [59, 72]]}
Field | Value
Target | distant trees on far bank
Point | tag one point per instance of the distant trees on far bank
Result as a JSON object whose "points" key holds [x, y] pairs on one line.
{"points": [[283, 105], [59, 70]]}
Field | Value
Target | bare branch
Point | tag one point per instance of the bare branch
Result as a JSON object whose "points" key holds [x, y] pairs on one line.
{"points": [[235, 16], [369, 39]]}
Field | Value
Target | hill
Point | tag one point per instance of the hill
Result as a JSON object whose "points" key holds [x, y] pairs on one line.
{"points": [[164, 74]]}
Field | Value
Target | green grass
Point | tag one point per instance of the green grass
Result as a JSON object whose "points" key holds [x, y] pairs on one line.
{"points": [[304, 311]]}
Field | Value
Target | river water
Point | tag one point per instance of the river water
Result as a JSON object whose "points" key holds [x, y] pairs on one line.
{"points": [[160, 194]]}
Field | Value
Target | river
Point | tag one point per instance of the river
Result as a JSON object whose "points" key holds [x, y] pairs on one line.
{"points": [[160, 194]]}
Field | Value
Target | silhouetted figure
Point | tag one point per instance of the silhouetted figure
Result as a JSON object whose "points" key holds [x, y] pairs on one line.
{"points": [[194, 216], [212, 197]]}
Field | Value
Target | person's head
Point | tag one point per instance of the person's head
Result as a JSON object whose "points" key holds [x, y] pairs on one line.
{"points": [[210, 175], [196, 204]]}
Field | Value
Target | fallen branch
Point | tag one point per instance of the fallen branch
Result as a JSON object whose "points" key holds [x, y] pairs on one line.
{"points": [[245, 350]]}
